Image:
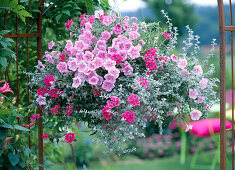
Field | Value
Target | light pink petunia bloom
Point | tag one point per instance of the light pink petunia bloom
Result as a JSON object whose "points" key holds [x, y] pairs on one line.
{"points": [[203, 83], [102, 54], [49, 58], [105, 36], [117, 29], [101, 44], [184, 71], [174, 58], [98, 62], [200, 100], [198, 69], [98, 13], [193, 94], [79, 56], [110, 78], [195, 114], [93, 80], [100, 80], [41, 100], [135, 26], [62, 67], [108, 85], [88, 25], [113, 50], [114, 71], [107, 20], [88, 56], [126, 19], [50, 45], [76, 82], [134, 52], [182, 63], [91, 66], [72, 63], [133, 35], [40, 65], [80, 45], [82, 66], [109, 64]]}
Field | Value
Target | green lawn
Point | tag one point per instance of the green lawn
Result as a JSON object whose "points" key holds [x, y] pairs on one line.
{"points": [[172, 163]]}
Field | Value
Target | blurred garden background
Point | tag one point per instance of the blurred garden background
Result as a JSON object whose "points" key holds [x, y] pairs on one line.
{"points": [[174, 149]]}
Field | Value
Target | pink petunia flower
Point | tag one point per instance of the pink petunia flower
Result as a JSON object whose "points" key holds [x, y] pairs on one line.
{"points": [[193, 94], [174, 58], [76, 82], [182, 63], [55, 109], [41, 100], [108, 85], [70, 137], [114, 71], [51, 45], [93, 80], [110, 78], [105, 36], [108, 64], [203, 83], [200, 100], [107, 20], [198, 69], [195, 114], [69, 110], [208, 107], [62, 67]]}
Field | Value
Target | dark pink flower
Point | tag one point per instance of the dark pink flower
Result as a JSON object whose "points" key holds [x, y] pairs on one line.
{"points": [[128, 116], [69, 23], [70, 137], [49, 80], [45, 135], [5, 88]]}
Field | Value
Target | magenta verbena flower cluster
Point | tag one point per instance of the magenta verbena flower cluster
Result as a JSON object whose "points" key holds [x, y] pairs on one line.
{"points": [[116, 74]]}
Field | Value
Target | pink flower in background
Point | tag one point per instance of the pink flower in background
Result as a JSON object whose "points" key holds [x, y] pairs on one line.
{"points": [[107, 20], [203, 83], [108, 85], [7, 141], [117, 58], [144, 82], [107, 112], [197, 69], [128, 116], [88, 26], [93, 80], [45, 135], [113, 102], [69, 23], [133, 35], [62, 67], [69, 110], [208, 107], [174, 58], [5, 88], [173, 125], [127, 69], [49, 80], [76, 82], [42, 91], [55, 109], [182, 63], [193, 94], [29, 125], [126, 19], [50, 45], [170, 113], [41, 100], [70, 137], [135, 26], [195, 114], [49, 58], [134, 100], [34, 117], [98, 13]]}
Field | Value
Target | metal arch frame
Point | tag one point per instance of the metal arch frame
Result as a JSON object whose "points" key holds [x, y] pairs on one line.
{"points": [[222, 29], [28, 35]]}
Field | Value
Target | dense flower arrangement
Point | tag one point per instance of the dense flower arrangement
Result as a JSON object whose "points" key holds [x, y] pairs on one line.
{"points": [[116, 74]]}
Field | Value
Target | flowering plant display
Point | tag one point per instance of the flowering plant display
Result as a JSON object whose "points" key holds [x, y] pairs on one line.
{"points": [[116, 74]]}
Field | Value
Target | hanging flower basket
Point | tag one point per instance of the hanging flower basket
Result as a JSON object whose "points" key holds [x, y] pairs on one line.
{"points": [[116, 74]]}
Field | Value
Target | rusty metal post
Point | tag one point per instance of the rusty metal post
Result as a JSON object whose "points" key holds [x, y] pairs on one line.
{"points": [[39, 57], [222, 86]]}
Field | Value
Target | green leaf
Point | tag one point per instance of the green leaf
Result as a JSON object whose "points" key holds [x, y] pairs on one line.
{"points": [[20, 128], [6, 52], [57, 18], [66, 12], [19, 7], [3, 133], [5, 125], [2, 32], [13, 158], [13, 4], [23, 13], [11, 119], [22, 164], [3, 62], [4, 3], [0, 152], [27, 151], [40, 165]]}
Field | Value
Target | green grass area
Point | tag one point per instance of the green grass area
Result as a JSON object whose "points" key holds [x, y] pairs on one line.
{"points": [[172, 163]]}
